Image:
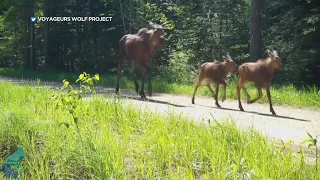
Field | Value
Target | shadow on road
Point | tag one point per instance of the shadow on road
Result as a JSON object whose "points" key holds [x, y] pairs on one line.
{"points": [[285, 117], [130, 94], [261, 114], [124, 92], [133, 96], [153, 100]]}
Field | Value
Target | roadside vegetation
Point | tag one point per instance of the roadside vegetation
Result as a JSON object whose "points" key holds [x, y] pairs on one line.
{"points": [[66, 135]]}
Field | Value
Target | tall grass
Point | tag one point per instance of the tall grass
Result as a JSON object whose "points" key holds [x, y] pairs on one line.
{"points": [[284, 95], [117, 140]]}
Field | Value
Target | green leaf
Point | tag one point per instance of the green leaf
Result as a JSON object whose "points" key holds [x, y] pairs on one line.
{"points": [[75, 120], [81, 76], [305, 141], [310, 145], [67, 99], [97, 77], [310, 135], [65, 83]]}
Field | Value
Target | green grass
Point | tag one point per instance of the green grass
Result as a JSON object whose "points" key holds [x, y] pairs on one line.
{"points": [[123, 142], [285, 95]]}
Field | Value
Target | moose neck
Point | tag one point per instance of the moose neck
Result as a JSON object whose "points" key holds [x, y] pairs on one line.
{"points": [[269, 65]]}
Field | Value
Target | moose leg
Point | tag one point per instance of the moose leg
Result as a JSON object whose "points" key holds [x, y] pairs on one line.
{"points": [[246, 93], [118, 73], [239, 86], [210, 89], [258, 97], [149, 85], [144, 75], [225, 91], [136, 85], [194, 92], [216, 95], [198, 83], [269, 98]]}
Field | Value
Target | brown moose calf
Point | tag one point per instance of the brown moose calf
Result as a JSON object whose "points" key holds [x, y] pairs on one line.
{"points": [[215, 72], [261, 73]]}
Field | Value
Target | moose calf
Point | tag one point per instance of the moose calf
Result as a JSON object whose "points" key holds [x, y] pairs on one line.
{"points": [[261, 73], [215, 72]]}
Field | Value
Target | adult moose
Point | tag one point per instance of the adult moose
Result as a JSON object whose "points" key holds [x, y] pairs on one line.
{"points": [[215, 72], [139, 49], [261, 73]]}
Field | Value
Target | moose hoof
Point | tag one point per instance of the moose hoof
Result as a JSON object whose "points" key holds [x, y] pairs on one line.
{"points": [[218, 105], [223, 99], [241, 109], [143, 96], [273, 113], [192, 100]]}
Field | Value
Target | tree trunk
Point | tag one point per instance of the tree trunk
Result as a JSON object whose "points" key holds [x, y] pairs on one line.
{"points": [[220, 23], [33, 63], [95, 36], [255, 35], [53, 35], [26, 35], [48, 59]]}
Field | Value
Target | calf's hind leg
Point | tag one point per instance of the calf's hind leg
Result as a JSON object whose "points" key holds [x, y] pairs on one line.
{"points": [[225, 91], [269, 98], [216, 95], [210, 89], [247, 94], [198, 83], [239, 87], [194, 92], [258, 97]]}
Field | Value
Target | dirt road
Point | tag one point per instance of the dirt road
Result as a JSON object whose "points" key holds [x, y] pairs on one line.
{"points": [[289, 124]]}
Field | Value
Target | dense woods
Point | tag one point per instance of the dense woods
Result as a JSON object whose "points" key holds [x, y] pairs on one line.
{"points": [[197, 31]]}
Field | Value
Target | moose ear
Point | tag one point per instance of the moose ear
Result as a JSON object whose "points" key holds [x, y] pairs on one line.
{"points": [[269, 52], [151, 24], [164, 24]]}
